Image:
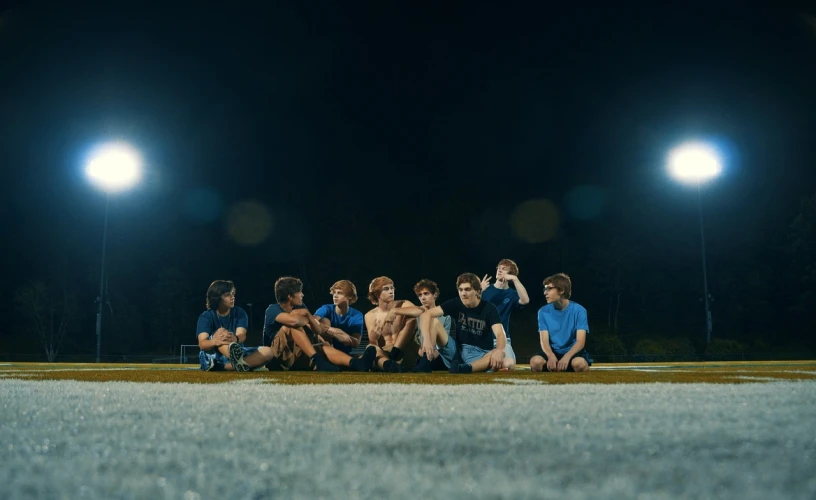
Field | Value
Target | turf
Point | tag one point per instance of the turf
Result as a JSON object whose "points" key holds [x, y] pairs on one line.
{"points": [[246, 438], [712, 373]]}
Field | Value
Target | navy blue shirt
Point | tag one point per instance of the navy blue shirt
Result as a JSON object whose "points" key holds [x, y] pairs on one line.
{"points": [[474, 325], [210, 321], [351, 323], [506, 301], [272, 327]]}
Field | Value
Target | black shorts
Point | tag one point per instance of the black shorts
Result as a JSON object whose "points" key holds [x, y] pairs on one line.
{"points": [[580, 354]]}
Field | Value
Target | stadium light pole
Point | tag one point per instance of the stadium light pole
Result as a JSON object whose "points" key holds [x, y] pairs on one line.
{"points": [[112, 167], [697, 163]]}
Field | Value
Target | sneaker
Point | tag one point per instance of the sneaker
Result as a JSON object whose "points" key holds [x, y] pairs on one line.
{"points": [[323, 365], [364, 362], [423, 366], [392, 366], [454, 366], [369, 357], [395, 354], [206, 361], [236, 357]]}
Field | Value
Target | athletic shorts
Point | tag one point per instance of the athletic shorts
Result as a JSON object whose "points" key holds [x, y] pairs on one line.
{"points": [[581, 354], [289, 354]]}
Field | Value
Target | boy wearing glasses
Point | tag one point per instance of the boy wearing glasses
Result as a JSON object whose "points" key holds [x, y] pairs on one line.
{"points": [[563, 328]]}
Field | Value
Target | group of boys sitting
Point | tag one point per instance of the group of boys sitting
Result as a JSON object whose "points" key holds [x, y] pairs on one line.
{"points": [[466, 334]]}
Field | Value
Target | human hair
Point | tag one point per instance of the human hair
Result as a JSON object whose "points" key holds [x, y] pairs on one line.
{"points": [[375, 288], [562, 282], [347, 288], [286, 287], [472, 279], [512, 266], [216, 290], [426, 285]]}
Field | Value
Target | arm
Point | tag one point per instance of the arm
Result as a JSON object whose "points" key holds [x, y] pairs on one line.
{"points": [[373, 333], [219, 338], [293, 320], [338, 334], [425, 329], [240, 334], [524, 298], [497, 354], [545, 346]]}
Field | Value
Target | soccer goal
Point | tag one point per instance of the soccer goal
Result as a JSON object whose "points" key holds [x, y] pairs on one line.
{"points": [[188, 353]]}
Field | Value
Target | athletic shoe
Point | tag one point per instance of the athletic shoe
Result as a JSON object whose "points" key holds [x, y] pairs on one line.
{"points": [[364, 362], [423, 366], [392, 366], [236, 357], [206, 361], [323, 365]]}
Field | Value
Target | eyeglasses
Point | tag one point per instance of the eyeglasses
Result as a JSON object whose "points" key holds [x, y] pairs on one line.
{"points": [[548, 288]]}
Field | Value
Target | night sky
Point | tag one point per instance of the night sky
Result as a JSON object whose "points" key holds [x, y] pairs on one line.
{"points": [[331, 142]]}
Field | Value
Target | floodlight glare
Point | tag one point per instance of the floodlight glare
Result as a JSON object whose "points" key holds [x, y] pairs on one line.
{"points": [[114, 167], [694, 163]]}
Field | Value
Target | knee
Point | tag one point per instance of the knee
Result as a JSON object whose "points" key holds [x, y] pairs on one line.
{"points": [[266, 352], [537, 363], [580, 365]]}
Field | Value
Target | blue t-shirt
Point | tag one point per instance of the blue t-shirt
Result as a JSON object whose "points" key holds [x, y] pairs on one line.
{"points": [[562, 325], [271, 327], [210, 321], [506, 301], [351, 323]]}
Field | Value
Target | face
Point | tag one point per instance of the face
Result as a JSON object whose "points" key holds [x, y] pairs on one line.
{"points": [[468, 294], [387, 294], [228, 298], [426, 298], [501, 272], [551, 293], [296, 299], [338, 297]]}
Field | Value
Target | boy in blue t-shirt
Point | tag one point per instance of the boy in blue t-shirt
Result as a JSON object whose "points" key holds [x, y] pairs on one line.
{"points": [[222, 330], [563, 327], [506, 300], [345, 324]]}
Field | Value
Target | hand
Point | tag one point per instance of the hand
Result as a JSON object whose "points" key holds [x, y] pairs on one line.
{"points": [[552, 364], [510, 277], [343, 337], [221, 337], [427, 348], [390, 317], [496, 359], [486, 282], [564, 363]]}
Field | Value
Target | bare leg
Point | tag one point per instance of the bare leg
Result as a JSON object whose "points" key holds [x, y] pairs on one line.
{"points": [[537, 364], [579, 364]]}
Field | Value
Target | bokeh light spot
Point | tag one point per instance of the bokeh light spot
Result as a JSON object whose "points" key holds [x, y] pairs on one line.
{"points": [[535, 221], [249, 223]]}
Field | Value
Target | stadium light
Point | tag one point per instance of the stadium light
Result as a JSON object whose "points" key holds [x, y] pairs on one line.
{"points": [[113, 168], [697, 163]]}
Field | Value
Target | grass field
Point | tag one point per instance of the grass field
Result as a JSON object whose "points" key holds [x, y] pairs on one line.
{"points": [[669, 430]]}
